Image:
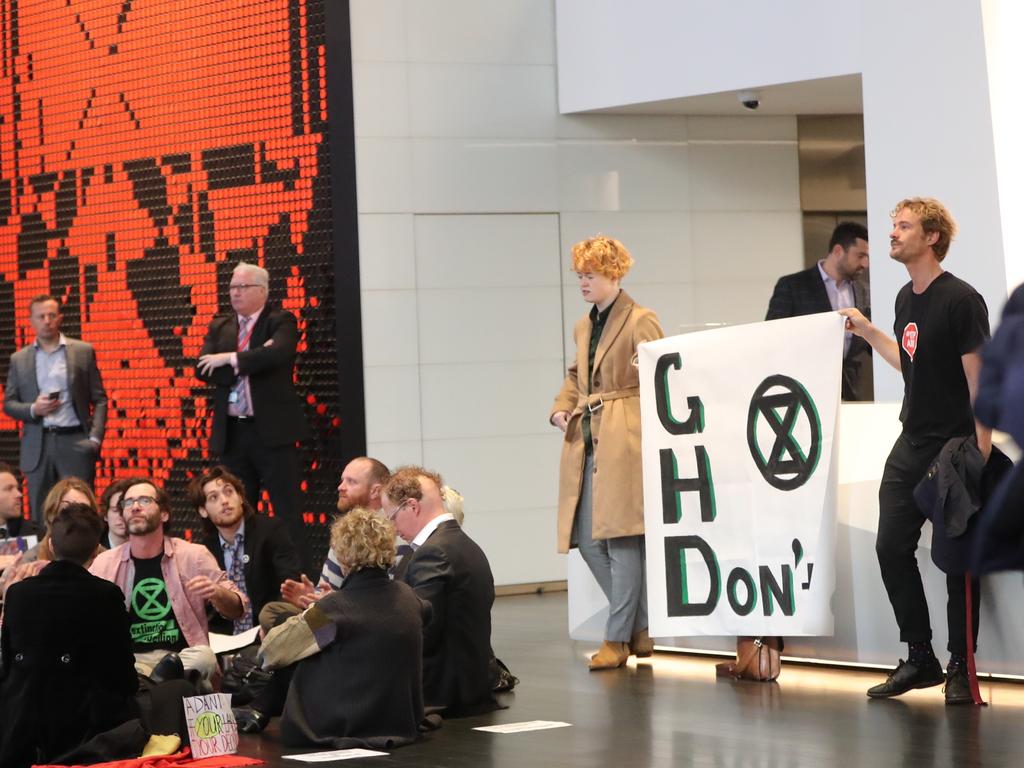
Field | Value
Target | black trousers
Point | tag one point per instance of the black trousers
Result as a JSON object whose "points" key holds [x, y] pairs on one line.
{"points": [[899, 530], [274, 468]]}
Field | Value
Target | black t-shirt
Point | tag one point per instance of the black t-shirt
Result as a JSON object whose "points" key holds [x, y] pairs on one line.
{"points": [[933, 330], [153, 623]]}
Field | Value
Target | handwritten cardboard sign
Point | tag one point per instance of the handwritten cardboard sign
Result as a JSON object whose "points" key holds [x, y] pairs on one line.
{"points": [[211, 726]]}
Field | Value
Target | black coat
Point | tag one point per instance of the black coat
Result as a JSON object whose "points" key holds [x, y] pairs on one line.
{"points": [[68, 670], [272, 559], [452, 573], [365, 688], [803, 293], [269, 363]]}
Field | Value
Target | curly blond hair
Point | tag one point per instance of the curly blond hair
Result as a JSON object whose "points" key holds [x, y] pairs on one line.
{"points": [[363, 539], [603, 255], [935, 217]]}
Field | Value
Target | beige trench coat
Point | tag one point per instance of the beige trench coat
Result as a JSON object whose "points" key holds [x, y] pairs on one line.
{"points": [[615, 424]]}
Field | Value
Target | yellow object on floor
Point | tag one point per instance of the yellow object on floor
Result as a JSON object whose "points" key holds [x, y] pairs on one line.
{"points": [[161, 745]]}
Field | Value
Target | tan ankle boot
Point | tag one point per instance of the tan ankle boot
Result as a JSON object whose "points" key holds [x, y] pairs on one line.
{"points": [[641, 645], [610, 656]]}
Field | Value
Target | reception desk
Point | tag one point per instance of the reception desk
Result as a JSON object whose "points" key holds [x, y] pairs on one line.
{"points": [[865, 629]]}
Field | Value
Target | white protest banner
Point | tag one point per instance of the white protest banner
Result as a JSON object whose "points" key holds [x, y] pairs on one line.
{"points": [[739, 482], [211, 725]]}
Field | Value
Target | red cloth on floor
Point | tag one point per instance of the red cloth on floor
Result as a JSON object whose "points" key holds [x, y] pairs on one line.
{"points": [[181, 759]]}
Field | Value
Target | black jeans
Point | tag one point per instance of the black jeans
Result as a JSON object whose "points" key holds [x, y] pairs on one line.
{"points": [[899, 530]]}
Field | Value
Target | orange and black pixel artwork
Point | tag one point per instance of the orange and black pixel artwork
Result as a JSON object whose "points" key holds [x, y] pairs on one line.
{"points": [[146, 146]]}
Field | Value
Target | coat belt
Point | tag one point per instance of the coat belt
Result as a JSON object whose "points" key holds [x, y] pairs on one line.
{"points": [[595, 402]]}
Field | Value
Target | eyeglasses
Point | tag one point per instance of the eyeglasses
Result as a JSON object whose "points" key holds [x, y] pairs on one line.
{"points": [[142, 501], [394, 513], [243, 286]]}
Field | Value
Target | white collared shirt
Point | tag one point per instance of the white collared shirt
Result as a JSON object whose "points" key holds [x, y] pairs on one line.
{"points": [[429, 528]]}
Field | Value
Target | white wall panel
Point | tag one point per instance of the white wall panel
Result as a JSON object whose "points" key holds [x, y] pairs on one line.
{"points": [[488, 399], [739, 176], [622, 175], [392, 403], [383, 175], [386, 251], [475, 31], [378, 30], [519, 539], [746, 245], [481, 176], [467, 251], [390, 328], [490, 325], [374, 116], [497, 474], [397, 454], [482, 101]]}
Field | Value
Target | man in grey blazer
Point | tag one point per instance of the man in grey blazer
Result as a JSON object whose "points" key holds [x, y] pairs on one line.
{"points": [[54, 387]]}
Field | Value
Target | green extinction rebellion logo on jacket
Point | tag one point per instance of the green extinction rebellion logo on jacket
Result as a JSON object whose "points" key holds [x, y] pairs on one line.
{"points": [[784, 432], [152, 604]]}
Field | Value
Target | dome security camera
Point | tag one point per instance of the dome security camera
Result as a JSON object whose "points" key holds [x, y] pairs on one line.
{"points": [[749, 99]]}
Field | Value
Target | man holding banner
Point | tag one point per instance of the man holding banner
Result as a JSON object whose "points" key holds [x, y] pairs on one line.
{"points": [[941, 324], [600, 501]]}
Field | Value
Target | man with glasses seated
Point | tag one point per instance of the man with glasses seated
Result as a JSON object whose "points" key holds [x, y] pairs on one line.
{"points": [[167, 583], [249, 357]]}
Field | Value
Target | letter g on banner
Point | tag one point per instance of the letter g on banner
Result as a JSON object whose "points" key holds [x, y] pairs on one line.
{"points": [[785, 406]]}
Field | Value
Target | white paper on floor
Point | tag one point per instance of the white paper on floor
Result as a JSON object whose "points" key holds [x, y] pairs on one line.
{"points": [[529, 725], [336, 754]]}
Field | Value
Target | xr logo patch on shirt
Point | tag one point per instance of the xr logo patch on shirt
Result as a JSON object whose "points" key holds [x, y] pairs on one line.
{"points": [[152, 604], [909, 342]]}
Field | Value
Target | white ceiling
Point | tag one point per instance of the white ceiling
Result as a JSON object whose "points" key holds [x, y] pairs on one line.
{"points": [[829, 96]]}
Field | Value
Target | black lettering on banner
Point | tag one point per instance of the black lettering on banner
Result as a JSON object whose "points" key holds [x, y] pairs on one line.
{"points": [[695, 422], [736, 577], [672, 486], [772, 591], [676, 581]]}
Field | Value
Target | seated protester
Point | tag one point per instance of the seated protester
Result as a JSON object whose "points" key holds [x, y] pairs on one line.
{"points": [[449, 570], [254, 550], [110, 507], [167, 583], [12, 524], [354, 659], [68, 671], [360, 486], [69, 490], [453, 502]]}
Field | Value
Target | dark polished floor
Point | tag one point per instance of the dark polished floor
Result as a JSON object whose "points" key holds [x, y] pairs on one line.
{"points": [[671, 711]]}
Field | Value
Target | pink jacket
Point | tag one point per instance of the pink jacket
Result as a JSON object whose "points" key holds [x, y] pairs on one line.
{"points": [[182, 560]]}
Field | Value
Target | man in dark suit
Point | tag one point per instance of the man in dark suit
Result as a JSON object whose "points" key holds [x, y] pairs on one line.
{"points": [[254, 550], [249, 357], [829, 285], [54, 388], [448, 570]]}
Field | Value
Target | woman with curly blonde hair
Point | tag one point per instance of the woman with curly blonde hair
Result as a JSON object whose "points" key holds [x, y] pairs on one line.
{"points": [[600, 501], [358, 680]]}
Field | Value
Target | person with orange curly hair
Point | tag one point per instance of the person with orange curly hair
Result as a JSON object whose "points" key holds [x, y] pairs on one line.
{"points": [[600, 500]]}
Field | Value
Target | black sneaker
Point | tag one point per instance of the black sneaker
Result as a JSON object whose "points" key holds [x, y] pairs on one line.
{"points": [[907, 677], [958, 686], [250, 720]]}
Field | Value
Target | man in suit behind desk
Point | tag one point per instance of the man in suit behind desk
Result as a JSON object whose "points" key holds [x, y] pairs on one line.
{"points": [[449, 570], [54, 388], [249, 357], [830, 285]]}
